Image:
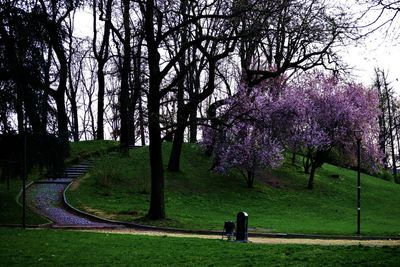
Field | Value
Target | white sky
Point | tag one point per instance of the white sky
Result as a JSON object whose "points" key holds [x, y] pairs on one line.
{"points": [[379, 50], [376, 51]]}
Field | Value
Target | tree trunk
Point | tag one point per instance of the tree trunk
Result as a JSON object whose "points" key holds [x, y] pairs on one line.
{"points": [[306, 165], [59, 95], [31, 104], [62, 118], [157, 204], [101, 58], [126, 68], [20, 112], [311, 178], [157, 208], [392, 126], [175, 157], [390, 118], [193, 126], [74, 111], [397, 139], [250, 179], [141, 123], [45, 97], [131, 121], [194, 88], [100, 103], [182, 116], [382, 119], [137, 89], [71, 93]]}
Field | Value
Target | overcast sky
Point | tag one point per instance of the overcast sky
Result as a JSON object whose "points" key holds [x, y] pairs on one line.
{"points": [[380, 49]]}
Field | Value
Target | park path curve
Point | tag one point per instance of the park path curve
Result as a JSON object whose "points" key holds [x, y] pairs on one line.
{"points": [[45, 197]]}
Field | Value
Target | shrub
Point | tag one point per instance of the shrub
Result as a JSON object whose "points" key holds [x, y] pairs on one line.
{"points": [[385, 175]]}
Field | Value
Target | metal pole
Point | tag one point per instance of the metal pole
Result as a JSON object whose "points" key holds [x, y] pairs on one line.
{"points": [[358, 185], [23, 186]]}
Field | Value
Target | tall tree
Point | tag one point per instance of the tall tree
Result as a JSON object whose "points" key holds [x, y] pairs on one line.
{"points": [[124, 98], [101, 55], [44, 28], [216, 46], [158, 31], [386, 119], [74, 75], [53, 16]]}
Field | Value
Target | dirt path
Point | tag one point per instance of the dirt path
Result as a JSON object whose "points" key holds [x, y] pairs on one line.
{"points": [[261, 240]]}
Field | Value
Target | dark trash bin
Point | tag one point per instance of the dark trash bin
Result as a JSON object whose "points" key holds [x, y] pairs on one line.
{"points": [[229, 230], [242, 220]]}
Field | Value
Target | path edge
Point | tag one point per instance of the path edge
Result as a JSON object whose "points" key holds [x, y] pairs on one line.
{"points": [[213, 232]]}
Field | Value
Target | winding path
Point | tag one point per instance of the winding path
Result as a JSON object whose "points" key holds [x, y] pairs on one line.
{"points": [[45, 197]]}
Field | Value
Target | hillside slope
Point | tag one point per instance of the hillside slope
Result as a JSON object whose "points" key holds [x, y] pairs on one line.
{"points": [[118, 187]]}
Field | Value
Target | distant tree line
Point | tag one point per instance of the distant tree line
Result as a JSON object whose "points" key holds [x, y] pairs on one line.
{"points": [[389, 122]]}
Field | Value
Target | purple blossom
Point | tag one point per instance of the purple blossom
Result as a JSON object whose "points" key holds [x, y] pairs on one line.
{"points": [[316, 114]]}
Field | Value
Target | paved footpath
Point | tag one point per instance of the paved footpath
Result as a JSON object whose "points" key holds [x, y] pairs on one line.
{"points": [[45, 197], [260, 240]]}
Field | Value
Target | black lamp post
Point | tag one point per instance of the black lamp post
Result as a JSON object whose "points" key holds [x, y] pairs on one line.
{"points": [[358, 136], [24, 174], [24, 171]]}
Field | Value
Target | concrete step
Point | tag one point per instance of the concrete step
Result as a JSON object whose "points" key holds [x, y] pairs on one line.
{"points": [[75, 171], [67, 175], [79, 167], [88, 166], [54, 181]]}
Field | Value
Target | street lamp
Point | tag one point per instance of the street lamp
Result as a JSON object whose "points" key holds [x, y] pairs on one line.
{"points": [[358, 135], [24, 171], [24, 174]]}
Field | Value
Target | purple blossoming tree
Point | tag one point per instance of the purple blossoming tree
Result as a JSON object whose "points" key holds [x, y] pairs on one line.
{"points": [[317, 114], [247, 139], [327, 117]]}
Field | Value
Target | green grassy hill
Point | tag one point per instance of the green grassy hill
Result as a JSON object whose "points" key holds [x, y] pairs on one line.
{"points": [[118, 188]]}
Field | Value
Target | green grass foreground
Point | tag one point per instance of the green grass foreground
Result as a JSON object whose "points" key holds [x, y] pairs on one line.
{"points": [[68, 248], [118, 188]]}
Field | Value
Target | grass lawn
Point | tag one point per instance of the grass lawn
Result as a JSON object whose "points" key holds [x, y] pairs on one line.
{"points": [[118, 188], [10, 210], [68, 248]]}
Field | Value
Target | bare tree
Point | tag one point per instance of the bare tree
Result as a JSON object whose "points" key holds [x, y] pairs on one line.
{"points": [[87, 90], [75, 68], [161, 24], [278, 36], [386, 119], [101, 55]]}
